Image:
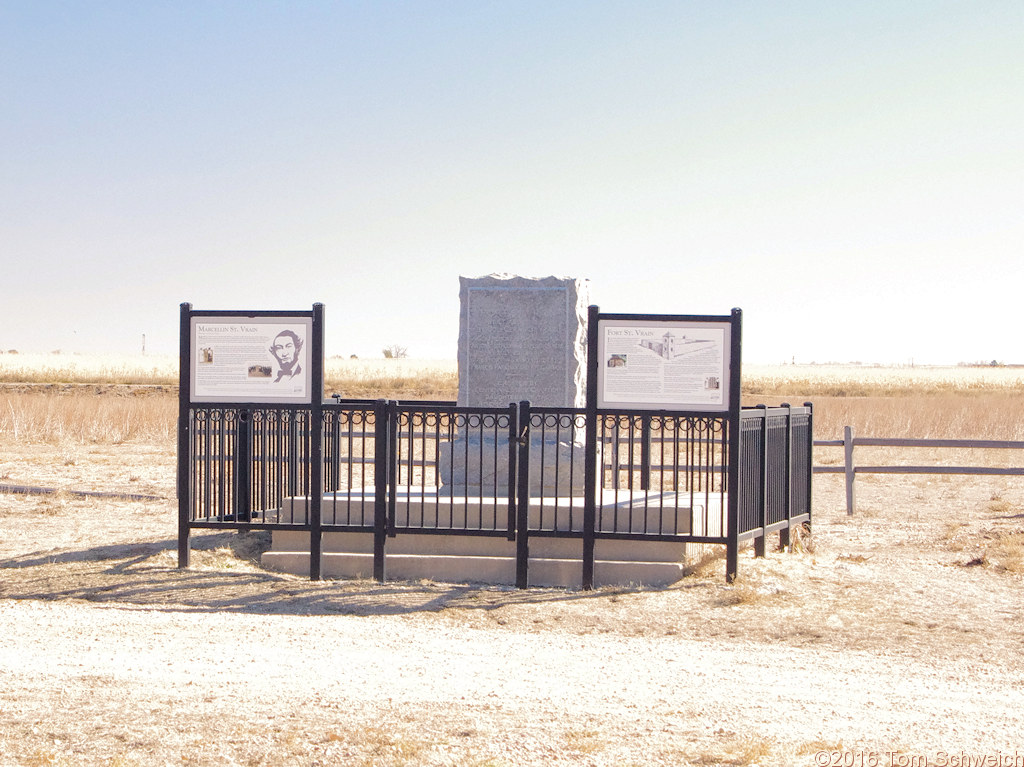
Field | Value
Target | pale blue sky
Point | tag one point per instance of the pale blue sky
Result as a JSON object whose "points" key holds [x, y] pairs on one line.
{"points": [[850, 174]]}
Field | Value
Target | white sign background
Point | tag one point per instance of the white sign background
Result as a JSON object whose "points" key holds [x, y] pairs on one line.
{"points": [[232, 359], [659, 365]]}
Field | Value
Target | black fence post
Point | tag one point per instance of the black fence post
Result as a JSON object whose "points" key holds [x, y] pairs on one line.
{"points": [[523, 496], [784, 538], [513, 470], [184, 486], [394, 464], [381, 465], [332, 461], [762, 501], [243, 483], [590, 454], [734, 432], [316, 445], [809, 468], [294, 451], [645, 452]]}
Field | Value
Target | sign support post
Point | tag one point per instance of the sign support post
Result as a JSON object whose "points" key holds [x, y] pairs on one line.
{"points": [[316, 426], [651, 363], [732, 548], [591, 470], [238, 362], [184, 488]]}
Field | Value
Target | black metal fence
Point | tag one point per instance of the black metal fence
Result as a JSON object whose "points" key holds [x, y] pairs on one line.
{"points": [[775, 472], [657, 476]]}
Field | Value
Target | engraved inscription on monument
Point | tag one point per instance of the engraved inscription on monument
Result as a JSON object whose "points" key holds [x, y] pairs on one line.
{"points": [[516, 346], [522, 338]]}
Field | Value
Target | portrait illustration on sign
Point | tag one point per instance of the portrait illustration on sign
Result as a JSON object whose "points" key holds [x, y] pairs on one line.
{"points": [[286, 350]]}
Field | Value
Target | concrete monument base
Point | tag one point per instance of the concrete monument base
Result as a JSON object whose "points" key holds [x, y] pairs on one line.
{"points": [[479, 465], [490, 558]]}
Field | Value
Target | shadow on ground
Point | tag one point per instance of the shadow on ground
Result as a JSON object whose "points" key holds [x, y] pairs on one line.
{"points": [[224, 577]]}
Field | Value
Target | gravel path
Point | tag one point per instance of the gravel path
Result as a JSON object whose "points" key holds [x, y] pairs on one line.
{"points": [[880, 646], [639, 699]]}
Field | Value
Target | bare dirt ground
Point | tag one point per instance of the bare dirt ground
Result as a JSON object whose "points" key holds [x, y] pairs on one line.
{"points": [[892, 637]]}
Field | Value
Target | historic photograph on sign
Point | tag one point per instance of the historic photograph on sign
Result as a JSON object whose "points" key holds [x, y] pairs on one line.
{"points": [[251, 359], [647, 364]]}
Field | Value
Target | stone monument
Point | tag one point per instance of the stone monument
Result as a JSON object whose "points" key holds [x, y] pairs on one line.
{"points": [[520, 338]]}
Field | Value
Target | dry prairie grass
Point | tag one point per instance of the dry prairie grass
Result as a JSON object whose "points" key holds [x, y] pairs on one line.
{"points": [[954, 403], [873, 381], [356, 378], [920, 402], [88, 369], [994, 415], [78, 418], [393, 379], [81, 416]]}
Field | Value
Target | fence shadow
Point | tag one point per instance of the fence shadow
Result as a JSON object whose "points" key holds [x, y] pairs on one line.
{"points": [[143, 575]]}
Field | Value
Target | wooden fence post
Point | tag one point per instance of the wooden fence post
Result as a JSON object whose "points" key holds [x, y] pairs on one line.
{"points": [[850, 474]]}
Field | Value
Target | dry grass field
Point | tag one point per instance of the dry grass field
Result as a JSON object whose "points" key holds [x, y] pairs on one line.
{"points": [[406, 378], [894, 636]]}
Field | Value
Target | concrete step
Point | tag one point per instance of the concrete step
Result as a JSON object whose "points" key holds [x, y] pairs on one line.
{"points": [[483, 546], [460, 558], [564, 573]]}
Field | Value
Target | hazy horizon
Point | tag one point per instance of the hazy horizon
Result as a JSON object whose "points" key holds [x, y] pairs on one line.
{"points": [[847, 174]]}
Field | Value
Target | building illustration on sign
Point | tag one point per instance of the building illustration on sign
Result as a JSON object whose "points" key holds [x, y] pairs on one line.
{"points": [[672, 346]]}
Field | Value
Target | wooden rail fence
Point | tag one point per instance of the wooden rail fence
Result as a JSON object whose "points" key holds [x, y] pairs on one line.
{"points": [[851, 470]]}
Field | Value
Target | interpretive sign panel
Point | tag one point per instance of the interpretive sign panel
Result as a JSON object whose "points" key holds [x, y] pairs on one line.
{"points": [[251, 359], [663, 364]]}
